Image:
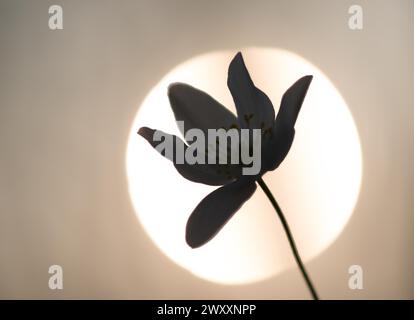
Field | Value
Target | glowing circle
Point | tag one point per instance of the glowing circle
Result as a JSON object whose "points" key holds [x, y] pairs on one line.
{"points": [[317, 185]]}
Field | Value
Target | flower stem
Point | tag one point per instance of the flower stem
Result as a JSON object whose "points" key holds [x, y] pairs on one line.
{"points": [[290, 237]]}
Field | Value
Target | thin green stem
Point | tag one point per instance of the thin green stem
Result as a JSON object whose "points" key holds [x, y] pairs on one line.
{"points": [[290, 237]]}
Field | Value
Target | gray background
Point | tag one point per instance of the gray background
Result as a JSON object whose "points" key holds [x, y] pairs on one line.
{"points": [[68, 99]]}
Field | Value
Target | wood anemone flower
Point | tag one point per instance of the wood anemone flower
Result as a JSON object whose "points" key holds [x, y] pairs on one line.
{"points": [[199, 110]]}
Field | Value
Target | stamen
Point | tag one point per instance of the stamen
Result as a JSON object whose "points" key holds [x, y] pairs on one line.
{"points": [[248, 117]]}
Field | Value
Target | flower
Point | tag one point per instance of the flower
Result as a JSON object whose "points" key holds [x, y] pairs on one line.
{"points": [[199, 110]]}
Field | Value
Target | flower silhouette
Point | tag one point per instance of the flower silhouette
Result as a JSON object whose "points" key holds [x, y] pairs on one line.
{"points": [[199, 110], [254, 111]]}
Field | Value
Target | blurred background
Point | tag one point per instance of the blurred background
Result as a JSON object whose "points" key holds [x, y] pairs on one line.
{"points": [[69, 97]]}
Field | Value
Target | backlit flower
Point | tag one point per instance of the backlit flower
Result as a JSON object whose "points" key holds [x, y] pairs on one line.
{"points": [[254, 111]]}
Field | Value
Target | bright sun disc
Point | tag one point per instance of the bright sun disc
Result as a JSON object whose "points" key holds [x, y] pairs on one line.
{"points": [[317, 185]]}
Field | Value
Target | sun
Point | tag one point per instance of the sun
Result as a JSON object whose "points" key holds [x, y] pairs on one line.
{"points": [[317, 185]]}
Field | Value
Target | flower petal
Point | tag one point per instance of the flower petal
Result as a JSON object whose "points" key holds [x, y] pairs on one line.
{"points": [[198, 109], [203, 173], [292, 102], [254, 108], [277, 147], [213, 212]]}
